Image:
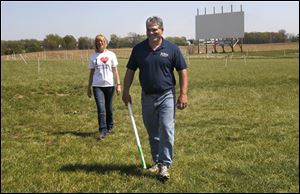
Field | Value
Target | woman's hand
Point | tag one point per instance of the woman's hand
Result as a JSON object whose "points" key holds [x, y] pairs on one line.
{"points": [[118, 89]]}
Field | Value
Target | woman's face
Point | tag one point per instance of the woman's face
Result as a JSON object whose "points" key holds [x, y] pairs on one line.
{"points": [[100, 42]]}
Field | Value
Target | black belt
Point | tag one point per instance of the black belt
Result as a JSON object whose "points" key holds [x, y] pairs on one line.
{"points": [[158, 93]]}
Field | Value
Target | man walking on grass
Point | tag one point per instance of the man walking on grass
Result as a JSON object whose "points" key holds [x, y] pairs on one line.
{"points": [[156, 59]]}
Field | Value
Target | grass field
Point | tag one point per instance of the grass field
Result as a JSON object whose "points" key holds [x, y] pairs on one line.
{"points": [[240, 132]]}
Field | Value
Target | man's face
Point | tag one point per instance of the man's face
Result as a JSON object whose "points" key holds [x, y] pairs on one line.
{"points": [[154, 33]]}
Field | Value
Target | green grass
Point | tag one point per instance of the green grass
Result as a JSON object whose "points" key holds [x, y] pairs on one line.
{"points": [[240, 132]]}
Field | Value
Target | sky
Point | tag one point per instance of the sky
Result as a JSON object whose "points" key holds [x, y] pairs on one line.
{"points": [[36, 19]]}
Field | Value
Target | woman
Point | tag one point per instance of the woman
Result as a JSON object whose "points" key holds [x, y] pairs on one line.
{"points": [[103, 71]]}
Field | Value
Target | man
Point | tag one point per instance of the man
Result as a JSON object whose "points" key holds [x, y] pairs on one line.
{"points": [[156, 59]]}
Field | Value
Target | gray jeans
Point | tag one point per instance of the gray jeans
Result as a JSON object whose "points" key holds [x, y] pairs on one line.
{"points": [[159, 119]]}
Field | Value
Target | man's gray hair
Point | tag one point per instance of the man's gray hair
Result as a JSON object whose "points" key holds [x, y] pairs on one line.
{"points": [[155, 19]]}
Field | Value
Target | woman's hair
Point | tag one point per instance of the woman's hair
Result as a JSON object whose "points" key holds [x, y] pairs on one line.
{"points": [[155, 19], [102, 37]]}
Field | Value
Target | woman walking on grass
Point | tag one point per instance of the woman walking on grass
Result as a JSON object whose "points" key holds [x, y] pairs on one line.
{"points": [[103, 72]]}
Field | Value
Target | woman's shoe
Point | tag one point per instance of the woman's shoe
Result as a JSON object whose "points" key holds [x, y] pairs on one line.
{"points": [[109, 130], [100, 137]]}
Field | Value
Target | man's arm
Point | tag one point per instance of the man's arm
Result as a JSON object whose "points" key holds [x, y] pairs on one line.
{"points": [[183, 81], [127, 83]]}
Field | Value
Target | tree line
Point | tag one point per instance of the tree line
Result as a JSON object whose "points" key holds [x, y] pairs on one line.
{"points": [[69, 42], [269, 37]]}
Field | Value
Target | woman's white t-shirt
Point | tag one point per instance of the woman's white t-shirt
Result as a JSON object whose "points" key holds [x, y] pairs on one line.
{"points": [[103, 63]]}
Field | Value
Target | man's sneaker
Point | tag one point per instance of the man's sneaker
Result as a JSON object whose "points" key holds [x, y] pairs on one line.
{"points": [[154, 168], [163, 173]]}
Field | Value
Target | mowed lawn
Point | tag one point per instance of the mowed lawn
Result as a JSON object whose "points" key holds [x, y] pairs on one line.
{"points": [[239, 133]]}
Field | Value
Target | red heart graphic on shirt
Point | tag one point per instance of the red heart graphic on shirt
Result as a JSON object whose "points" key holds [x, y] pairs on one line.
{"points": [[104, 59]]}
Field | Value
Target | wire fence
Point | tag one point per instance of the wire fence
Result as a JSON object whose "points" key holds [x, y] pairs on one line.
{"points": [[189, 52]]}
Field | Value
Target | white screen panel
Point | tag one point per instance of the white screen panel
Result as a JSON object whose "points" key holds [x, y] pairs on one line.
{"points": [[226, 25]]}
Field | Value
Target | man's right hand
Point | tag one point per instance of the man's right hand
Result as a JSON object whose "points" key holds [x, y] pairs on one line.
{"points": [[127, 83], [126, 98]]}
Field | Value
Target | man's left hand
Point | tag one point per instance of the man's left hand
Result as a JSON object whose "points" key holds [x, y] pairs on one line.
{"points": [[182, 101]]}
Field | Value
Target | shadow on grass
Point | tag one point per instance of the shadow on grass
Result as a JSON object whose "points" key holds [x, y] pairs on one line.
{"points": [[75, 133], [128, 170]]}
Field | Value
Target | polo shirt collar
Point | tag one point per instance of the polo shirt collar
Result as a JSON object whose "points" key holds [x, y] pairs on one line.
{"points": [[164, 43]]}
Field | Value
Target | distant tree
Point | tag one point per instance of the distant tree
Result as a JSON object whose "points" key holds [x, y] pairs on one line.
{"points": [[292, 38], [114, 41], [32, 45], [53, 42], [85, 43], [125, 42], [129, 41], [295, 38], [282, 35], [20, 46], [134, 38], [10, 47], [180, 41], [70, 42], [265, 37]]}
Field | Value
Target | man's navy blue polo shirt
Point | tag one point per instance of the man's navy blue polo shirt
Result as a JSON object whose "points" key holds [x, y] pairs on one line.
{"points": [[156, 67]]}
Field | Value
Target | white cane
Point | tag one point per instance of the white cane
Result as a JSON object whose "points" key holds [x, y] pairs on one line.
{"points": [[137, 139]]}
